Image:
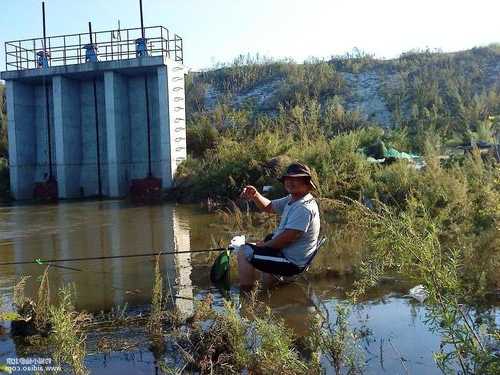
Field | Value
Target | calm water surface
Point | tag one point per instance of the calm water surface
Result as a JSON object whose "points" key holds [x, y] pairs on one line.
{"points": [[395, 325]]}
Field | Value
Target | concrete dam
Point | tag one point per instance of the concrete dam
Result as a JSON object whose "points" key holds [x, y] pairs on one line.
{"points": [[95, 114]]}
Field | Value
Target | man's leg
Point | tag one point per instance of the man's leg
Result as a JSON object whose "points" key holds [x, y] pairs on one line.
{"points": [[247, 272], [269, 280]]}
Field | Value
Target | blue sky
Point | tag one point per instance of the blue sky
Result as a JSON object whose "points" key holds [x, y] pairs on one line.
{"points": [[219, 30]]}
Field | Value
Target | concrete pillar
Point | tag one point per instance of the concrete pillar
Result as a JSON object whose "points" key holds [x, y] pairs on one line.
{"points": [[117, 129], [177, 110], [22, 139], [67, 135], [138, 130], [166, 173], [172, 118], [42, 168], [89, 171], [121, 107], [111, 125]]}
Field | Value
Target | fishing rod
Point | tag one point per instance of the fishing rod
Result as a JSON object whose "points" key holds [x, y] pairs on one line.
{"points": [[161, 253]]}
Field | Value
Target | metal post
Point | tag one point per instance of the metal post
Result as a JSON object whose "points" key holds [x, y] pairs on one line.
{"points": [[96, 117], [90, 33], [161, 39], [44, 33], [142, 20]]}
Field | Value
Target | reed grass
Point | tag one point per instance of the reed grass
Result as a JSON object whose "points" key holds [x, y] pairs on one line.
{"points": [[19, 296], [227, 342], [155, 322], [67, 336], [338, 342], [42, 313], [408, 242]]}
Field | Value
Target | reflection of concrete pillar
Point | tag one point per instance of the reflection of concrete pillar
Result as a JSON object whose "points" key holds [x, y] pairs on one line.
{"points": [[183, 267], [66, 247], [177, 266], [115, 234], [19, 253], [34, 240]]}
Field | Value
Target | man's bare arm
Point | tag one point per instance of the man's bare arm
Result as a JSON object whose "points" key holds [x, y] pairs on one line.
{"points": [[251, 193], [283, 239]]}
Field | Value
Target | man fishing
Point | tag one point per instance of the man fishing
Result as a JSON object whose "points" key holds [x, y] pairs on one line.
{"points": [[287, 251]]}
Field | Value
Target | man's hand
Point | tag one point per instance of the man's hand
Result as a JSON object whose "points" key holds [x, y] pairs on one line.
{"points": [[249, 192], [260, 244]]}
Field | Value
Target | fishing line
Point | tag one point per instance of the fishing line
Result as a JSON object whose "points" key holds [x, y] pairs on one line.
{"points": [[161, 253]]}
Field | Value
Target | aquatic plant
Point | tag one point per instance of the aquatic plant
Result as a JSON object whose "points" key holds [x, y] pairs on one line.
{"points": [[229, 342], [408, 242], [43, 301], [19, 297], [67, 336], [337, 341], [155, 321], [274, 350]]}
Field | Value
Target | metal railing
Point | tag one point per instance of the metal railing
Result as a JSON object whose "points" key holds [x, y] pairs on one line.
{"points": [[111, 45]]}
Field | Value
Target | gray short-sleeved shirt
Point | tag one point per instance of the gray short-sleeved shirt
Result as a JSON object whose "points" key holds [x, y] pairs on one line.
{"points": [[300, 215]]}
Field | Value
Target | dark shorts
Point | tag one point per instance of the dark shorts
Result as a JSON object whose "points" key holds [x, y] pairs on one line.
{"points": [[270, 260]]}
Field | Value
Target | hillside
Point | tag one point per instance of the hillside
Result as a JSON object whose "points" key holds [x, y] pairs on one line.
{"points": [[453, 94]]}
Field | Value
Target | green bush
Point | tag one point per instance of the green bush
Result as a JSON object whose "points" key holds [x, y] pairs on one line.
{"points": [[245, 72]]}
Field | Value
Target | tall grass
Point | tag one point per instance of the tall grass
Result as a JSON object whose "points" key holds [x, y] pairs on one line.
{"points": [[42, 314], [408, 242], [67, 335], [337, 341], [19, 296], [155, 321], [227, 342], [437, 226]]}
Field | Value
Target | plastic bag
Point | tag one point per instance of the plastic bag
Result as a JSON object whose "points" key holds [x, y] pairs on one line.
{"points": [[419, 293], [236, 243]]}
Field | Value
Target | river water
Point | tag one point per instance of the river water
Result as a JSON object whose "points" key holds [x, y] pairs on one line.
{"points": [[397, 340]]}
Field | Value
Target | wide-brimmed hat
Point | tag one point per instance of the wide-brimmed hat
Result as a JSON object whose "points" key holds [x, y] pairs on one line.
{"points": [[299, 170]]}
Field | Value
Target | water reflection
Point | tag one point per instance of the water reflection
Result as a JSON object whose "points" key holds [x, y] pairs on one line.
{"points": [[90, 229], [81, 229]]}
